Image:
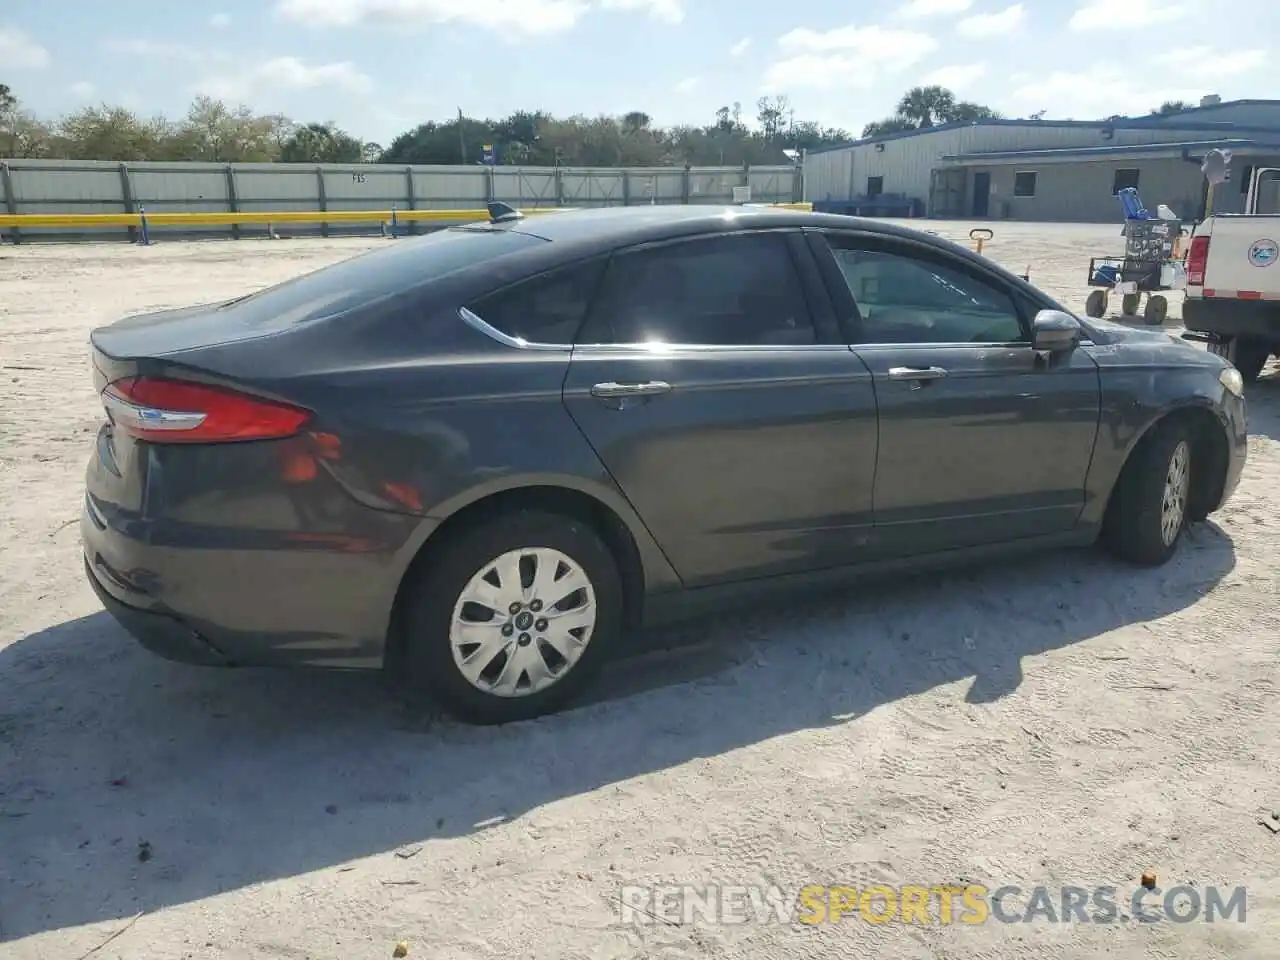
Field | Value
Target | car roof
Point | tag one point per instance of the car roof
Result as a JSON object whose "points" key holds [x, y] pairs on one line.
{"points": [[621, 226]]}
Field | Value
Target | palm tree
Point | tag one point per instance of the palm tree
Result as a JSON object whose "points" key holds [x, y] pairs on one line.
{"points": [[927, 105]]}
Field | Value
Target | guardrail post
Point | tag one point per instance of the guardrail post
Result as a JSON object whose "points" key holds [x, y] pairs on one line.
{"points": [[146, 234], [626, 188], [324, 200], [233, 199], [126, 193], [413, 199], [686, 183], [10, 201], [395, 227], [490, 185]]}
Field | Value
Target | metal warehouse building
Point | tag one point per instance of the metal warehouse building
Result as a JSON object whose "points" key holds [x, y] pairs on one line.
{"points": [[1052, 170]]}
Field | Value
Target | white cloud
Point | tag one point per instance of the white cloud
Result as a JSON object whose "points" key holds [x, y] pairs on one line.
{"points": [[529, 17], [687, 84], [668, 11], [158, 50], [1115, 14], [1206, 64], [982, 25], [1098, 91], [741, 47], [955, 77], [83, 90], [847, 56], [285, 73], [219, 20], [920, 9], [17, 49]]}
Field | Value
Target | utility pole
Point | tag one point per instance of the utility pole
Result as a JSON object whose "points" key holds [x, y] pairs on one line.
{"points": [[462, 138]]}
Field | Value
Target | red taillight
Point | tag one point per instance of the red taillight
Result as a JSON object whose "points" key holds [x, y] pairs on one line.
{"points": [[179, 411], [1197, 257]]}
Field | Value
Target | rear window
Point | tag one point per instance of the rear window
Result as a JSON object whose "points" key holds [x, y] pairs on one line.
{"points": [[403, 264]]}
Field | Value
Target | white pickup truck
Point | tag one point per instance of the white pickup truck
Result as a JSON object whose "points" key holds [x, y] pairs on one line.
{"points": [[1233, 279]]}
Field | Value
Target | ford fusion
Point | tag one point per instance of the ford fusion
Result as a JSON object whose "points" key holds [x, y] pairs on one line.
{"points": [[477, 458]]}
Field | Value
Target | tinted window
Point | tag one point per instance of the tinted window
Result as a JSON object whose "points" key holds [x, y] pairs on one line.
{"points": [[902, 299], [738, 291], [399, 266], [1024, 184], [546, 309]]}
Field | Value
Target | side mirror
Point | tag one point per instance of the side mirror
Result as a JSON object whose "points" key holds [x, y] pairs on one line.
{"points": [[1055, 332]]}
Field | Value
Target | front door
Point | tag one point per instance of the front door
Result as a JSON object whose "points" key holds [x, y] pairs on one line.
{"points": [[981, 440], [981, 194], [743, 436]]}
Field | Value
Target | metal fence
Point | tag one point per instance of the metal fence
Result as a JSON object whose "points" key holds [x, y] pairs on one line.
{"points": [[94, 187]]}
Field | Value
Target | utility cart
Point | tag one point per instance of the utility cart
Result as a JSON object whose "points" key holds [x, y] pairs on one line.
{"points": [[1153, 262]]}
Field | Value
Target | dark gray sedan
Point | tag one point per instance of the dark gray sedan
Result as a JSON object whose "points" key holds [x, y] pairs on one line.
{"points": [[476, 458]]}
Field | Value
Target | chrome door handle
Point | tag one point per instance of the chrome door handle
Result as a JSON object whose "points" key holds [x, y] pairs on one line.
{"points": [[648, 389], [917, 373]]}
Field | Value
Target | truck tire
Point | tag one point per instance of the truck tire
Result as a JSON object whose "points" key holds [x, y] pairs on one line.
{"points": [[1247, 354]]}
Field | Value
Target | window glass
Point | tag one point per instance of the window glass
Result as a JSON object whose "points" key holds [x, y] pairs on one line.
{"points": [[1124, 179], [906, 300], [1024, 184], [546, 309], [732, 291], [353, 283]]}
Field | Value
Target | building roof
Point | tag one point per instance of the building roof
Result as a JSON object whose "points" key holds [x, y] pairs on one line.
{"points": [[1129, 123], [1182, 148]]}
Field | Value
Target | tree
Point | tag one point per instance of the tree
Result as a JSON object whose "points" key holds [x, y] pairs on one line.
{"points": [[1170, 107], [925, 105], [891, 125], [773, 114], [321, 143]]}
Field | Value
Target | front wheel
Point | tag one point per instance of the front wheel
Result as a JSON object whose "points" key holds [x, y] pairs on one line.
{"points": [[1148, 508], [1096, 304], [514, 618]]}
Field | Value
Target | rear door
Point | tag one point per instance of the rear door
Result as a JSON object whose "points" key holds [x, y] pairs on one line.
{"points": [[981, 440], [720, 395]]}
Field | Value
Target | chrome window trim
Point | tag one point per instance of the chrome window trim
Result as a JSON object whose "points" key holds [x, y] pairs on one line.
{"points": [[516, 343]]}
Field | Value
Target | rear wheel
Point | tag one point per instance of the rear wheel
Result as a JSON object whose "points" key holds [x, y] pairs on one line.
{"points": [[1247, 354], [1096, 305], [1156, 310], [1148, 508], [513, 619], [1129, 305]]}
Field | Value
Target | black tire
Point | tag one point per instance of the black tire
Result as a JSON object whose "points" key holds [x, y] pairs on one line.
{"points": [[1247, 354], [428, 613], [1096, 305], [1129, 304], [1156, 310], [1133, 526]]}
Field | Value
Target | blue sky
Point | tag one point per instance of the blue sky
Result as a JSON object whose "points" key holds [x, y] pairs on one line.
{"points": [[377, 67]]}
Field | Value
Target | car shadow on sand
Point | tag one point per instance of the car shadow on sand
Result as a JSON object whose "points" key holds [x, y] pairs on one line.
{"points": [[234, 778]]}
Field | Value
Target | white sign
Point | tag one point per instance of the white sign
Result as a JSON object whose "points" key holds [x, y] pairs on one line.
{"points": [[742, 194]]}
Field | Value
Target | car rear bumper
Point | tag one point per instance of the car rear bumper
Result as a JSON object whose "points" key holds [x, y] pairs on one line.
{"points": [[246, 596], [1232, 318], [163, 635]]}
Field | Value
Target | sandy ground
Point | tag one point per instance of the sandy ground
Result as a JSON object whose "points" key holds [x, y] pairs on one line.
{"points": [[1063, 721]]}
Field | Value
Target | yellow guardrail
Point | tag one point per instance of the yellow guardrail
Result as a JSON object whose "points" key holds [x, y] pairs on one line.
{"points": [[178, 219]]}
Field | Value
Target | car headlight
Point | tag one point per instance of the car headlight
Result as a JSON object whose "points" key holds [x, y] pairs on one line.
{"points": [[1231, 379]]}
